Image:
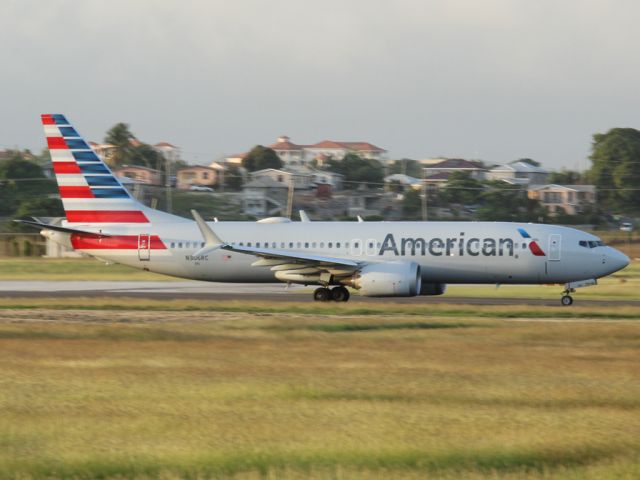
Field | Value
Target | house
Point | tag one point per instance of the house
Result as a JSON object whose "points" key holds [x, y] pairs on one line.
{"points": [[105, 151], [324, 177], [289, 153], [450, 165], [170, 152], [235, 159], [519, 173], [196, 175], [262, 197], [140, 174], [338, 150], [401, 182], [301, 179], [569, 199], [295, 155]]}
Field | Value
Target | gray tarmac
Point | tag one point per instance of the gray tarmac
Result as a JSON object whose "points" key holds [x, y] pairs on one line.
{"points": [[186, 290]]}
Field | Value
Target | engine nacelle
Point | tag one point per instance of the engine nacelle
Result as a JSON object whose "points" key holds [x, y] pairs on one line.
{"points": [[391, 279], [433, 288]]}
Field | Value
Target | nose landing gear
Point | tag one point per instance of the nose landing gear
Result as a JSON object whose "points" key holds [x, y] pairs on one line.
{"points": [[570, 288], [566, 300]]}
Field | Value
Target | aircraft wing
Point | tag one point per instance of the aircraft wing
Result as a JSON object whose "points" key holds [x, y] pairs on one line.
{"points": [[291, 257], [276, 259]]}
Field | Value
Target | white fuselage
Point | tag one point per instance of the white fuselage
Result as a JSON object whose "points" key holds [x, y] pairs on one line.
{"points": [[447, 252]]}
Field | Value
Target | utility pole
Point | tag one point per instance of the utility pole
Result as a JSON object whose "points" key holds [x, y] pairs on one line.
{"points": [[290, 196], [167, 182], [424, 195]]}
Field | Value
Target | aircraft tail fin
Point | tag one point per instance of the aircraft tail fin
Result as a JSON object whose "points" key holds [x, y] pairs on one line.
{"points": [[91, 194]]}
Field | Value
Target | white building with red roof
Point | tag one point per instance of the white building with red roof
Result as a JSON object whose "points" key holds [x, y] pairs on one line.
{"points": [[293, 154]]}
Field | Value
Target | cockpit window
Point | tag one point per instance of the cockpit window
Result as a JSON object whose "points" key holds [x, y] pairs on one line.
{"points": [[591, 243]]}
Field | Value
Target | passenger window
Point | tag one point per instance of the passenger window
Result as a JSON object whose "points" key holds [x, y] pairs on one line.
{"points": [[248, 244], [330, 245], [321, 244], [290, 244], [337, 244], [281, 244], [273, 245], [299, 244], [173, 244], [306, 244], [179, 244], [313, 245]]}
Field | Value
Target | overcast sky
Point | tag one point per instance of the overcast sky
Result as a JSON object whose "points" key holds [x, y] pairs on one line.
{"points": [[490, 79]]}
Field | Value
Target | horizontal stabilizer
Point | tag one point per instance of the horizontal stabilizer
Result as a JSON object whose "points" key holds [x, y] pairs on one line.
{"points": [[61, 229]]}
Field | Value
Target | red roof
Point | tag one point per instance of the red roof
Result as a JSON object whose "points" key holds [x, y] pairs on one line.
{"points": [[286, 146], [164, 144], [357, 146]]}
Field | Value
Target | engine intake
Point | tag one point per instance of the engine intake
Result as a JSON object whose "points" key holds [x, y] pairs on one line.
{"points": [[391, 279]]}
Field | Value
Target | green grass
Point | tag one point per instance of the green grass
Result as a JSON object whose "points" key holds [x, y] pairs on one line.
{"points": [[18, 268], [181, 393]]}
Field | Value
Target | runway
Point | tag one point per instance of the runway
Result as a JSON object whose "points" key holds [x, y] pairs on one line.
{"points": [[243, 291]]}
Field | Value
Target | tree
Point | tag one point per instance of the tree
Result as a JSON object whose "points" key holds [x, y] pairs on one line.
{"points": [[261, 157], [145, 155], [17, 168], [565, 177], [615, 170], [121, 138], [406, 166], [505, 202], [412, 203], [233, 178], [37, 207], [462, 188], [357, 169]]}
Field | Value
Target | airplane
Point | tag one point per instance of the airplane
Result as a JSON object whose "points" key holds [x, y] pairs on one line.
{"points": [[377, 259]]}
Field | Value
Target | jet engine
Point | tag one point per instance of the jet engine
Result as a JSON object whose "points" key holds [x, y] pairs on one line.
{"points": [[433, 288], [391, 279]]}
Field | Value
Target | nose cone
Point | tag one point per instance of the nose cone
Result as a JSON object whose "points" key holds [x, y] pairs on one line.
{"points": [[616, 260]]}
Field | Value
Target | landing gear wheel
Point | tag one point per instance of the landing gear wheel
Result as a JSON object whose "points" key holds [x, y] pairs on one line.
{"points": [[340, 294], [321, 294], [566, 300]]}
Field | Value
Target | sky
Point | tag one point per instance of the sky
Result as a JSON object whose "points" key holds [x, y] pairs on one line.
{"points": [[495, 80]]}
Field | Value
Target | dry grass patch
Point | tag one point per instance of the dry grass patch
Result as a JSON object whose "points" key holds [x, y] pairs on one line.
{"points": [[171, 394]]}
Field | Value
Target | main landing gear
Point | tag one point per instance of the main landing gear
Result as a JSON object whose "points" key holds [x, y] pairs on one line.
{"points": [[337, 294]]}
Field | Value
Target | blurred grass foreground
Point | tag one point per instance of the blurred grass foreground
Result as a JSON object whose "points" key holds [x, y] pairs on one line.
{"points": [[212, 394]]}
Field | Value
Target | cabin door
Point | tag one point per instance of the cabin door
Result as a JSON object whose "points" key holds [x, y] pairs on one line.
{"points": [[144, 246], [555, 242]]}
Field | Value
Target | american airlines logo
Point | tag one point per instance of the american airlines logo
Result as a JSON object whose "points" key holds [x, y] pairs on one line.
{"points": [[456, 246]]}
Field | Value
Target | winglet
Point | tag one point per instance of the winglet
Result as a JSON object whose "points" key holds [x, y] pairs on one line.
{"points": [[360, 220], [212, 241], [304, 217]]}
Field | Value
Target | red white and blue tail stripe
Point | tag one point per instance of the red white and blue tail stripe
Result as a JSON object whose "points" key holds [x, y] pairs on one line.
{"points": [[91, 194]]}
